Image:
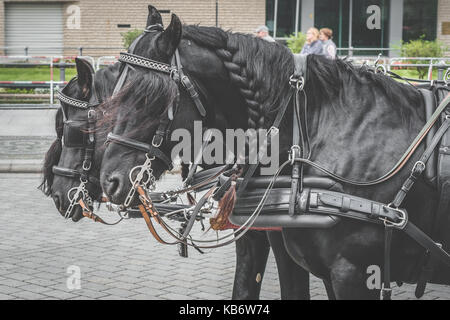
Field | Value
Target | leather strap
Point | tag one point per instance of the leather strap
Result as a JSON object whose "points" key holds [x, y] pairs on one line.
{"points": [[87, 212], [386, 291], [186, 82], [296, 167], [72, 173], [194, 213], [349, 206], [420, 165], [123, 75], [326, 202], [252, 168], [141, 146]]}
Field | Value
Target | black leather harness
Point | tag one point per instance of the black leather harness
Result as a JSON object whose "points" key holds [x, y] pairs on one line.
{"points": [[306, 200], [81, 135]]}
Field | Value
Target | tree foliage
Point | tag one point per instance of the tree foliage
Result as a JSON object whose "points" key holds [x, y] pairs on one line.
{"points": [[422, 48], [129, 36], [296, 43]]}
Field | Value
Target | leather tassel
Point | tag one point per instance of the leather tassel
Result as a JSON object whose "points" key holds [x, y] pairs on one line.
{"points": [[226, 206]]}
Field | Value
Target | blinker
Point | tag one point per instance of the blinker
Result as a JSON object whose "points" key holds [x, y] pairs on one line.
{"points": [[74, 135]]}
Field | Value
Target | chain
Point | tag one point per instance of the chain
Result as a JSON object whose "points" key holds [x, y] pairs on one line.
{"points": [[76, 194], [144, 179]]}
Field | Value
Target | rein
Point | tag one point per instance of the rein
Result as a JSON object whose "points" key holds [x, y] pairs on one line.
{"points": [[399, 165]]}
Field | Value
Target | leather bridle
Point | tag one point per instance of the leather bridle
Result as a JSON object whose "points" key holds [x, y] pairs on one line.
{"points": [[80, 195], [142, 175]]}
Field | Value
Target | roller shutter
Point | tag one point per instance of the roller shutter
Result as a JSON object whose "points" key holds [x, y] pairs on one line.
{"points": [[34, 25]]}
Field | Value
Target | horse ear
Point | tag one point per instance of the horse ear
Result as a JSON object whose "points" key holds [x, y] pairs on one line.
{"points": [[154, 17], [171, 37], [85, 75]]}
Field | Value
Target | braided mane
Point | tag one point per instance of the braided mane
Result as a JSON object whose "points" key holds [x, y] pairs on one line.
{"points": [[258, 68]]}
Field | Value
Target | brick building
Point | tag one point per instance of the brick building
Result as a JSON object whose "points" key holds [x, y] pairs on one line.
{"points": [[48, 26]]}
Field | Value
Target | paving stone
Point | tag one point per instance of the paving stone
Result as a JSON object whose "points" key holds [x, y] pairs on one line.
{"points": [[27, 295], [62, 295], [120, 262]]}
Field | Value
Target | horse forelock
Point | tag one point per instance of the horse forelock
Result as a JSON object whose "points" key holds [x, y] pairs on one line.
{"points": [[147, 94]]}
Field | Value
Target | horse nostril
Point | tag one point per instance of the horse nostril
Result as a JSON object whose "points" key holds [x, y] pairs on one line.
{"points": [[57, 200], [113, 186]]}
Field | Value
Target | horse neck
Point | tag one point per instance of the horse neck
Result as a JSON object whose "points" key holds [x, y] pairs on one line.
{"points": [[105, 80], [224, 99]]}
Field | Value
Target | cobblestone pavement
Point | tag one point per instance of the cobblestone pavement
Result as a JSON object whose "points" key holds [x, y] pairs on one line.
{"points": [[37, 246], [24, 147]]}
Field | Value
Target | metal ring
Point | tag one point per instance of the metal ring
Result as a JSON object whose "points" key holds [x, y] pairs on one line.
{"points": [[156, 145], [87, 165], [447, 76], [91, 113], [421, 163], [403, 218], [380, 69], [291, 153]]}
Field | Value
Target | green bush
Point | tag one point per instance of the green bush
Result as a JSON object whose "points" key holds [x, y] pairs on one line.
{"points": [[129, 36], [296, 43], [422, 48]]}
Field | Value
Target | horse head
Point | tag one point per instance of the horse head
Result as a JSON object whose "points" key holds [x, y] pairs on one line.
{"points": [[72, 164]]}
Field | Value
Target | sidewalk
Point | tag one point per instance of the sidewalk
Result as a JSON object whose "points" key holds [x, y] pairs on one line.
{"points": [[25, 137]]}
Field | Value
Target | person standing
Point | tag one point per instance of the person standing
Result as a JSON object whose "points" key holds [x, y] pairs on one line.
{"points": [[263, 33], [329, 47], [313, 45]]}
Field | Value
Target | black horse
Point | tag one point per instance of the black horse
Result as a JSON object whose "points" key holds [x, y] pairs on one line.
{"points": [[222, 98], [58, 186], [70, 159], [360, 124]]}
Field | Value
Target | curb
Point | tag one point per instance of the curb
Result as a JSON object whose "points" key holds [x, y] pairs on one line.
{"points": [[35, 166], [20, 166]]}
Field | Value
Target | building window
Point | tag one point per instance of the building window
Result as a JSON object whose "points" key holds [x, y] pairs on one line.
{"points": [[419, 18], [370, 28], [334, 15], [355, 23], [283, 17]]}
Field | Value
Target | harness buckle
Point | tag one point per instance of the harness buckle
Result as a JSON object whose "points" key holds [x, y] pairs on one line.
{"points": [[293, 154], [403, 216], [380, 69], [157, 141], [296, 82], [91, 114], [273, 130], [87, 165], [386, 293], [418, 168], [174, 75]]}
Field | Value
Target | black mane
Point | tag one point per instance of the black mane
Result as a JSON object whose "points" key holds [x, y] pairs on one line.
{"points": [[254, 64], [267, 66], [333, 75]]}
